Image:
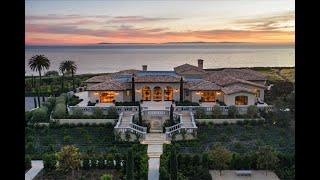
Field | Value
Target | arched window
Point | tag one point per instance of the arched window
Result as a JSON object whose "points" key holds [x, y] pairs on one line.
{"points": [[168, 93], [107, 97], [157, 93], [241, 100], [146, 93]]}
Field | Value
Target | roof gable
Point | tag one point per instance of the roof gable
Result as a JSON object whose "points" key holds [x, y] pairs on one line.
{"points": [[188, 69]]}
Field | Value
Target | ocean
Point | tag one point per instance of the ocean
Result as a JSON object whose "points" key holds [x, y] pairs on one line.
{"points": [[115, 57]]}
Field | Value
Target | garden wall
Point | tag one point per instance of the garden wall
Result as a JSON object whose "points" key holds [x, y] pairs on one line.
{"points": [[221, 121], [84, 121]]}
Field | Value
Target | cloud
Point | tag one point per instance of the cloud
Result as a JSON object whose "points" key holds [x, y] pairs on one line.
{"points": [[270, 23], [137, 19], [62, 17], [127, 33]]}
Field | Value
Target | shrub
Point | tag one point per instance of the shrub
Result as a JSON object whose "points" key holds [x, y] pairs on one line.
{"points": [[27, 162], [91, 103], [40, 115], [106, 177], [97, 113], [200, 113], [77, 113], [233, 111], [51, 73], [49, 161], [252, 111], [28, 116], [112, 113], [216, 112], [186, 103], [59, 111]]}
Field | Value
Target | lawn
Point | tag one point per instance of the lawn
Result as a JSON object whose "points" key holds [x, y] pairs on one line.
{"points": [[98, 138], [80, 174], [240, 138]]}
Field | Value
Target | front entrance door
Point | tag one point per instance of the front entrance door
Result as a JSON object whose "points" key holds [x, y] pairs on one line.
{"points": [[157, 93]]}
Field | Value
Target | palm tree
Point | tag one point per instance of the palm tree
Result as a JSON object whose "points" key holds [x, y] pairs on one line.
{"points": [[70, 66], [62, 69], [39, 63]]}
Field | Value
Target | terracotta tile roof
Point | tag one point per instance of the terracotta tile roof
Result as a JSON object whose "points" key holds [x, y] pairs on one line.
{"points": [[112, 85], [98, 79], [201, 85], [111, 76], [161, 78], [185, 68], [236, 89], [243, 73], [223, 78]]}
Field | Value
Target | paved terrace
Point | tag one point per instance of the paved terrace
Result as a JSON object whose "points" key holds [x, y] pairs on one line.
{"points": [[231, 175]]}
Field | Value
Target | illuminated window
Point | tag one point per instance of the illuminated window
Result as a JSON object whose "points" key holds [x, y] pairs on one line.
{"points": [[241, 100], [146, 93], [168, 93], [107, 97], [208, 96]]}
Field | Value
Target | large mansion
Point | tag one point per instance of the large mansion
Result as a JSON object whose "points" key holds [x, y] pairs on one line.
{"points": [[226, 86]]}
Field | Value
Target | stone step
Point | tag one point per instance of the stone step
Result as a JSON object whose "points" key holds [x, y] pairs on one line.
{"points": [[155, 131]]}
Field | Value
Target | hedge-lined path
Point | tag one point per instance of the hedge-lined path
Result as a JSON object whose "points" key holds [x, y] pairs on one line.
{"points": [[83, 95], [36, 167], [155, 143]]}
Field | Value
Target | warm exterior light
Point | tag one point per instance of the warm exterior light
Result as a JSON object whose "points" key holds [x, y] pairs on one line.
{"points": [[176, 90], [138, 90], [96, 94], [218, 93]]}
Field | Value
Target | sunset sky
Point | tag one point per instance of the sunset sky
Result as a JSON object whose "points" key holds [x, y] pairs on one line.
{"points": [[67, 22]]}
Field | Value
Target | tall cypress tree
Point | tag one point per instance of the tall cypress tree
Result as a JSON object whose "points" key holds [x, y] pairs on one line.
{"points": [[171, 115], [181, 90], [140, 116], [129, 163], [133, 93], [173, 164]]}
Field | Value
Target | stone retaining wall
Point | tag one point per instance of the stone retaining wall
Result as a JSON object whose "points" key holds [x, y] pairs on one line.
{"points": [[220, 121], [84, 121]]}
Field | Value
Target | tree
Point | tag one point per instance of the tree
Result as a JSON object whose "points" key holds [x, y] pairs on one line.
{"points": [[133, 92], [39, 63], [266, 159], [140, 116], [216, 112], [233, 111], [171, 115], [219, 157], [52, 73], [70, 67], [252, 111], [129, 163], [181, 89], [62, 69], [69, 159], [173, 164]]}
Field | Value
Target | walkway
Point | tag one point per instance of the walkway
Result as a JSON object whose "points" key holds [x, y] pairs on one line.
{"points": [[155, 143], [83, 95], [126, 119], [36, 167], [186, 119]]}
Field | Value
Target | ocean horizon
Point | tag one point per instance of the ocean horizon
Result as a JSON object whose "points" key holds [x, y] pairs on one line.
{"points": [[103, 58]]}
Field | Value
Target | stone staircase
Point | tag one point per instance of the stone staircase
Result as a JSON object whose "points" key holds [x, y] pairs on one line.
{"points": [[155, 138], [186, 119], [126, 119]]}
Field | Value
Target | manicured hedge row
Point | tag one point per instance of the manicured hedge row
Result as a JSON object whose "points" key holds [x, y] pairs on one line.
{"points": [[187, 103]]}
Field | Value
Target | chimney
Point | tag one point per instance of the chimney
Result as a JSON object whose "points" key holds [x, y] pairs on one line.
{"points": [[144, 67], [200, 63]]}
